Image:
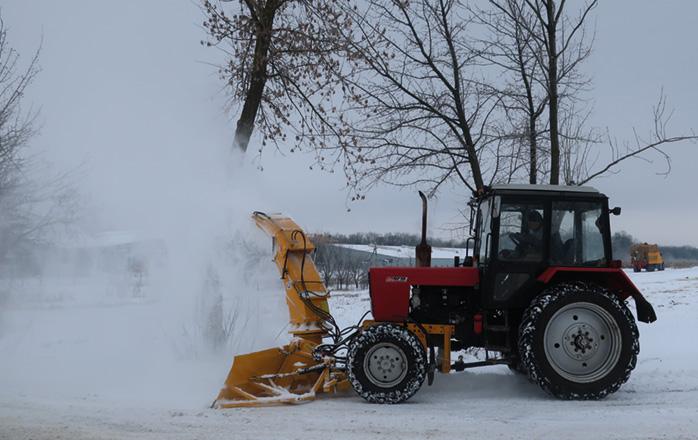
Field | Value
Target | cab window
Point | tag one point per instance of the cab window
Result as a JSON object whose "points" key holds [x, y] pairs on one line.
{"points": [[484, 225], [521, 232], [577, 234]]}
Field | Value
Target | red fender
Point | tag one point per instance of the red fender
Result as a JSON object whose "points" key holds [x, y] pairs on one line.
{"points": [[613, 278]]}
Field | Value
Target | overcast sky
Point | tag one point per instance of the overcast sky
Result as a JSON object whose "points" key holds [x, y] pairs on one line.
{"points": [[127, 91]]}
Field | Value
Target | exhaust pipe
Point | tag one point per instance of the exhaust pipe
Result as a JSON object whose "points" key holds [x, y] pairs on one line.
{"points": [[423, 250]]}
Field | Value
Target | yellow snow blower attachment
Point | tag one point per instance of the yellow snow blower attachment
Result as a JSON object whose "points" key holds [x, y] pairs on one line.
{"points": [[295, 372]]}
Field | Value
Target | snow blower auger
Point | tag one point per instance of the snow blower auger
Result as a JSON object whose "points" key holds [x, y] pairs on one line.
{"points": [[295, 372]]}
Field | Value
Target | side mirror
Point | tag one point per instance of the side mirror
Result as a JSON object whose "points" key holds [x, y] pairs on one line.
{"points": [[615, 211]]}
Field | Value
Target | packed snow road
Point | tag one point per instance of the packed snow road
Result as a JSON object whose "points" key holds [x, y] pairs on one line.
{"points": [[58, 382]]}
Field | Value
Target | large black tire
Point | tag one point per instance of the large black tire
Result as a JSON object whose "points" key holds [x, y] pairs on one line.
{"points": [[386, 364], [578, 341]]}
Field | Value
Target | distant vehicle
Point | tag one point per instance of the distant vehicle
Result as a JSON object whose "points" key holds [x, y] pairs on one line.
{"points": [[646, 256]]}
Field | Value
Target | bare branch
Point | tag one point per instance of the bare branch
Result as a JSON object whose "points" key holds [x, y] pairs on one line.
{"points": [[657, 140]]}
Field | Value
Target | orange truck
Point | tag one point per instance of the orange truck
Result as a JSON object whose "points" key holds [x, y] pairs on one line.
{"points": [[646, 256]]}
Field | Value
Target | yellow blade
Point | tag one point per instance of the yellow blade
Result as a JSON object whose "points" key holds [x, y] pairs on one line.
{"points": [[280, 375], [270, 377]]}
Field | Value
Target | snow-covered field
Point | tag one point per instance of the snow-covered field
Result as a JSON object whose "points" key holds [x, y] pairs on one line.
{"points": [[76, 370]]}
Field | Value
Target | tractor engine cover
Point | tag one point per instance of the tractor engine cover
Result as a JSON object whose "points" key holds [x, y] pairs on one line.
{"points": [[390, 286]]}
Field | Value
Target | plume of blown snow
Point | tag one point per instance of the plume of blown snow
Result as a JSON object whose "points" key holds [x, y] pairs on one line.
{"points": [[212, 293]]}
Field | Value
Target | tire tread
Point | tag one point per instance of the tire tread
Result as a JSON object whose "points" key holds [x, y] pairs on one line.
{"points": [[531, 322]]}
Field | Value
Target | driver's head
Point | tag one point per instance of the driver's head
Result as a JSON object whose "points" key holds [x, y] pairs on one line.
{"points": [[535, 221]]}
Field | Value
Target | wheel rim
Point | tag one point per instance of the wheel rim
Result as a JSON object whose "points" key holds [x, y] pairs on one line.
{"points": [[582, 342], [385, 365]]}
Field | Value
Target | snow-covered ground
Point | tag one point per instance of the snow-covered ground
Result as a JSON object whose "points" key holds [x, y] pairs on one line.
{"points": [[111, 370]]}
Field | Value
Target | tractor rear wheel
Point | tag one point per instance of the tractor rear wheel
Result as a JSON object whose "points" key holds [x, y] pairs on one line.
{"points": [[386, 364], [578, 341]]}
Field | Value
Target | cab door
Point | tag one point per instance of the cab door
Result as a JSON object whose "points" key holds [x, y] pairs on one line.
{"points": [[518, 250]]}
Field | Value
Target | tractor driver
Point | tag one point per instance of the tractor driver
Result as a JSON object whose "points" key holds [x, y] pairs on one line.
{"points": [[529, 243]]}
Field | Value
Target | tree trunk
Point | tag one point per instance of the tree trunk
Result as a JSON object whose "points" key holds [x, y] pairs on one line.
{"points": [[473, 160], [553, 96], [470, 149], [258, 77], [533, 153], [532, 124]]}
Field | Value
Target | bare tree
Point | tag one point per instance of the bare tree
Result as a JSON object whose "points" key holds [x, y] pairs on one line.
{"points": [[566, 44], [423, 107], [16, 125], [540, 45], [33, 200], [588, 158], [417, 109], [282, 58], [326, 258], [358, 270], [16, 129], [577, 143], [513, 51], [404, 93]]}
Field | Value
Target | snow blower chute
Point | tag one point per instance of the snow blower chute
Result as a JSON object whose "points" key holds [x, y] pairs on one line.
{"points": [[295, 372]]}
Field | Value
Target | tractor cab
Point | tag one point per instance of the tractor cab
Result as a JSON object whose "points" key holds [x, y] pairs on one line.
{"points": [[541, 292], [522, 230]]}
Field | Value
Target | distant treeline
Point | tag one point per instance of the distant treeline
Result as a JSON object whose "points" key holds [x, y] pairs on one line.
{"points": [[341, 269], [673, 255], [387, 239]]}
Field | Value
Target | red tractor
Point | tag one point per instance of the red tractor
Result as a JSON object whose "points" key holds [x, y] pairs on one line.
{"points": [[541, 290]]}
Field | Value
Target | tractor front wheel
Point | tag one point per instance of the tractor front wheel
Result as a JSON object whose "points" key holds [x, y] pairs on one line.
{"points": [[386, 363], [578, 341]]}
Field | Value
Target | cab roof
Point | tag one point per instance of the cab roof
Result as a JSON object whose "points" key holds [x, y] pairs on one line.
{"points": [[545, 190], [555, 188]]}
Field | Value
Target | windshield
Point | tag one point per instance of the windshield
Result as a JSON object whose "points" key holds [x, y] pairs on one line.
{"points": [[577, 231]]}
